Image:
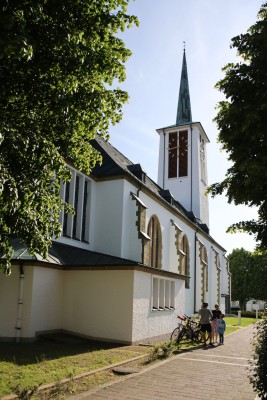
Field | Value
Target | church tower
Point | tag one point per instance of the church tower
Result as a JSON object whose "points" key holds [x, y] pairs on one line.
{"points": [[182, 165]]}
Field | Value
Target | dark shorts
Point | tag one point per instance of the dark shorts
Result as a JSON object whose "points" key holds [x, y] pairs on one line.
{"points": [[205, 327]]}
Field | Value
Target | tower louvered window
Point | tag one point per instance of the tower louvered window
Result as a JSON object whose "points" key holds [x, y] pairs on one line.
{"points": [[178, 154]]}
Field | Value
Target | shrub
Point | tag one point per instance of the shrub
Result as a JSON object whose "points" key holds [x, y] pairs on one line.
{"points": [[234, 310], [258, 365], [250, 314], [162, 350]]}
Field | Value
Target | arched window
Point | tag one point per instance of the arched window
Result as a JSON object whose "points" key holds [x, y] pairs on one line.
{"points": [[154, 232], [204, 271], [184, 262], [218, 266]]}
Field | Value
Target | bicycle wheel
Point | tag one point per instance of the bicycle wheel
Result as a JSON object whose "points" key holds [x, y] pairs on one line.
{"points": [[175, 334], [181, 335], [197, 337]]}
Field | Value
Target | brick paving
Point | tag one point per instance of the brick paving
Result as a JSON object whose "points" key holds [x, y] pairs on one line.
{"points": [[218, 372]]}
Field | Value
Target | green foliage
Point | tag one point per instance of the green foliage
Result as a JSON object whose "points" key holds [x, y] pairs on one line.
{"points": [[58, 60], [25, 393], [249, 275], [250, 314], [242, 121], [258, 366], [240, 268], [162, 350]]}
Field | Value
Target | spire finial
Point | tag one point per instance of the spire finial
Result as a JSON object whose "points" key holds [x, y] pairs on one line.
{"points": [[184, 115]]}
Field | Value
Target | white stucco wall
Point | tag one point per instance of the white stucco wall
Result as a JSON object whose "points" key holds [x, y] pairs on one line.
{"points": [[148, 323], [47, 296], [225, 276], [108, 210], [131, 244], [99, 304], [9, 293], [41, 301]]}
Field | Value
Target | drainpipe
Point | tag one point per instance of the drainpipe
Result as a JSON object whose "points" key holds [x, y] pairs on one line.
{"points": [[163, 181], [20, 303], [195, 271], [191, 167]]}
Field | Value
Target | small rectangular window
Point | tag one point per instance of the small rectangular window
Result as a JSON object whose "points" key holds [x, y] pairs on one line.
{"points": [[163, 294], [173, 155], [155, 294]]}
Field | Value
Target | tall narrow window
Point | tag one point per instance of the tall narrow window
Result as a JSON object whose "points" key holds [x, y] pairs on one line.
{"points": [[76, 198], [77, 194], [184, 264], [154, 232], [66, 199], [183, 153], [204, 272], [84, 211], [173, 155]]}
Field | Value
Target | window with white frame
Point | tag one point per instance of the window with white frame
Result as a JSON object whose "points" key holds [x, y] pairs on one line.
{"points": [[155, 244], [76, 193], [163, 294], [184, 264]]}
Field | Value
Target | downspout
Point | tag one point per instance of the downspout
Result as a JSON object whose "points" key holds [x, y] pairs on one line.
{"points": [[164, 140], [195, 272], [20, 303], [191, 190]]}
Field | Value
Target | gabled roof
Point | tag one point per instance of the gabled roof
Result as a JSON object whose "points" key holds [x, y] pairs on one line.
{"points": [[116, 164]]}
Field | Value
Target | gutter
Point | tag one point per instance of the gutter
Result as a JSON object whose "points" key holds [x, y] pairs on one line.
{"points": [[191, 189], [164, 144], [20, 303], [195, 271]]}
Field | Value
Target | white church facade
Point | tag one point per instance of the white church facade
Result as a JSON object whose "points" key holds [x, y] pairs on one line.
{"points": [[136, 254]]}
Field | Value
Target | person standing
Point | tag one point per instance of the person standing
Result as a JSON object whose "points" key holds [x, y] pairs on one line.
{"points": [[215, 315], [221, 326], [205, 315]]}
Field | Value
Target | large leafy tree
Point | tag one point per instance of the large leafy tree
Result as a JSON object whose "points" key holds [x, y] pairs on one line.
{"points": [[242, 123], [58, 62], [249, 275], [241, 279], [259, 275]]}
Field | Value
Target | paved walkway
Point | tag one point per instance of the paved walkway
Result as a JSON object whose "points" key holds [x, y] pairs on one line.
{"points": [[218, 372]]}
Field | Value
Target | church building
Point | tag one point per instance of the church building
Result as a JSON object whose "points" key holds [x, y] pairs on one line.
{"points": [[134, 256]]}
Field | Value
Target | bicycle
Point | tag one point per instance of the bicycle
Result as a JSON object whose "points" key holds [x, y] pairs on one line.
{"points": [[178, 329], [189, 330]]}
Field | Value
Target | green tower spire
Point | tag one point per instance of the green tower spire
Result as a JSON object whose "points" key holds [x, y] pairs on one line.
{"points": [[184, 115]]}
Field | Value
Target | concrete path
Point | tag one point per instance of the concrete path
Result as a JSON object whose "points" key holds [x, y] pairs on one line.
{"points": [[218, 372]]}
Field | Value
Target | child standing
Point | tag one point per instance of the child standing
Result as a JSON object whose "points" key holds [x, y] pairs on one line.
{"points": [[221, 326]]}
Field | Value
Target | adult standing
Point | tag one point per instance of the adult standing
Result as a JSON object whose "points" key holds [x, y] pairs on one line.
{"points": [[216, 313], [205, 315]]}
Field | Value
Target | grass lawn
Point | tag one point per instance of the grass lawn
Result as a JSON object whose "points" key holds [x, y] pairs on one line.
{"points": [[25, 365]]}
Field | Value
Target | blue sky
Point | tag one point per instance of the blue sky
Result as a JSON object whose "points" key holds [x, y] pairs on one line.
{"points": [[153, 77]]}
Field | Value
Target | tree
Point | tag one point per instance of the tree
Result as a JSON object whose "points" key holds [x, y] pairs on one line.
{"points": [[58, 62], [241, 283], [249, 276], [242, 121], [258, 363], [259, 275]]}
